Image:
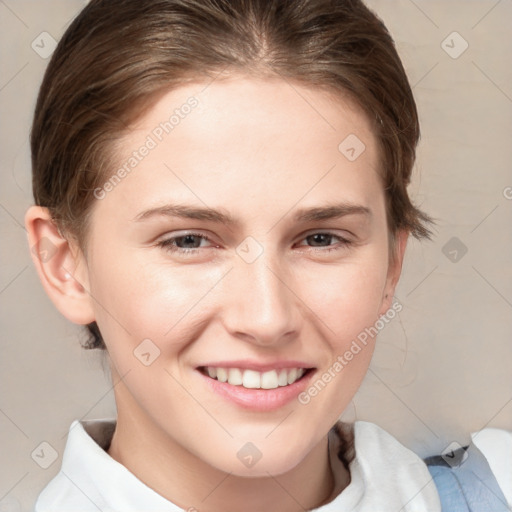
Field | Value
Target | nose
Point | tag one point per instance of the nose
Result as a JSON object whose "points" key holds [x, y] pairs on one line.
{"points": [[260, 304]]}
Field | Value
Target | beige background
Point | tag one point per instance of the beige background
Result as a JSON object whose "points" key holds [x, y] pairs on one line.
{"points": [[440, 372]]}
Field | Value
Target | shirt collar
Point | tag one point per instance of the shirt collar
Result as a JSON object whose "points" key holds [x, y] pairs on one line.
{"points": [[89, 467]]}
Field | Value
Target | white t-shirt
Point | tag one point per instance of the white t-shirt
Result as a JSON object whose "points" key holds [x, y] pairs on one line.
{"points": [[385, 475], [496, 445]]}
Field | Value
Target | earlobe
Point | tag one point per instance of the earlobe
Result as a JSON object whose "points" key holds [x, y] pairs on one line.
{"points": [[60, 265], [394, 269]]}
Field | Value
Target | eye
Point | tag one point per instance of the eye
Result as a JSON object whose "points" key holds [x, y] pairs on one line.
{"points": [[324, 240], [187, 243]]}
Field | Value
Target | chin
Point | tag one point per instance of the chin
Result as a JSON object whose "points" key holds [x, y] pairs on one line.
{"points": [[259, 459]]}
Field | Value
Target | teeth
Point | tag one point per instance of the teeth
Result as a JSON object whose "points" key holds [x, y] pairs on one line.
{"points": [[252, 379], [222, 374], [282, 380], [235, 377], [292, 375], [269, 380]]}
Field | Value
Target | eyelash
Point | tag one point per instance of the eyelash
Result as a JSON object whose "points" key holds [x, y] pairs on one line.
{"points": [[168, 244]]}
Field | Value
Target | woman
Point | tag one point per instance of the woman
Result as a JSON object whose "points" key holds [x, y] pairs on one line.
{"points": [[223, 187]]}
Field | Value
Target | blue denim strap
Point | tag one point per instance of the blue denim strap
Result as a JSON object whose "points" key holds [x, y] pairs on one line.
{"points": [[465, 482]]}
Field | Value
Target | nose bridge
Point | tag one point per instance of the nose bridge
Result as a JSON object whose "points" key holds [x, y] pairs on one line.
{"points": [[262, 306]]}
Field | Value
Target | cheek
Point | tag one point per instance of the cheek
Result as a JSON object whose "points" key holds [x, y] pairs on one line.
{"points": [[137, 299], [347, 298]]}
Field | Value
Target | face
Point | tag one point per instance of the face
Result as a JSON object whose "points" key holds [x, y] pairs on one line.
{"points": [[242, 244]]}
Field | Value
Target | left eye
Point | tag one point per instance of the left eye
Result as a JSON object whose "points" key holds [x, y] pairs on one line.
{"points": [[321, 239]]}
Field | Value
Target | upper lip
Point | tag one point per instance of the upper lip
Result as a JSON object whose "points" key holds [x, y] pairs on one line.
{"points": [[257, 366]]}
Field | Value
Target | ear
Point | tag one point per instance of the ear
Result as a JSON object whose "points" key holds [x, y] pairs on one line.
{"points": [[61, 266], [397, 252]]}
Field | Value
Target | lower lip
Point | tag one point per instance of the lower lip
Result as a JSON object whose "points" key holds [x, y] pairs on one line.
{"points": [[261, 400]]}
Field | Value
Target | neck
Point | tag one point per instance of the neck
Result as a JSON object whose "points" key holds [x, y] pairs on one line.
{"points": [[190, 483]]}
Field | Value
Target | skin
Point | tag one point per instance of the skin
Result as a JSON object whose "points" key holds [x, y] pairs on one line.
{"points": [[260, 150]]}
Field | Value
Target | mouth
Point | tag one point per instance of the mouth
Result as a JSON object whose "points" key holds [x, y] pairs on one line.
{"points": [[256, 385], [253, 379]]}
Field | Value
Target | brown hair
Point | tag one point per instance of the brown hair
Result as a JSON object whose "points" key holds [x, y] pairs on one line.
{"points": [[119, 55]]}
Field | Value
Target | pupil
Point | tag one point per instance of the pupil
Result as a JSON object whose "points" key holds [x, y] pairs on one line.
{"points": [[319, 237], [190, 240]]}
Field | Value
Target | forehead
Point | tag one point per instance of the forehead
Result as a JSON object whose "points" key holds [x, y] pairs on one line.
{"points": [[238, 106], [275, 140]]}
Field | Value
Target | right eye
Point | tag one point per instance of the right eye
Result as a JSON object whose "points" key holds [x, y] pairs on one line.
{"points": [[186, 244]]}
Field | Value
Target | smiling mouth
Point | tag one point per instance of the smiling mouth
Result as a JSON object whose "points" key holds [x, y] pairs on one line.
{"points": [[252, 379]]}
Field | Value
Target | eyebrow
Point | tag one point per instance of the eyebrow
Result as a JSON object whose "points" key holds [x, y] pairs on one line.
{"points": [[327, 212]]}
